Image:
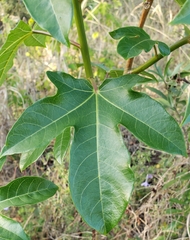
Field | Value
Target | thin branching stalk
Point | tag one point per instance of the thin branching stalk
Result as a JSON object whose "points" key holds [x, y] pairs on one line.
{"points": [[49, 35]]}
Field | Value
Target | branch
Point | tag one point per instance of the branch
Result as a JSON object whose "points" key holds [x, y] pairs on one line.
{"points": [[83, 40], [146, 8], [49, 35], [156, 58]]}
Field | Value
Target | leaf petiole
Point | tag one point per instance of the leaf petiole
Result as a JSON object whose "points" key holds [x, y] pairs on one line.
{"points": [[49, 35], [82, 39]]}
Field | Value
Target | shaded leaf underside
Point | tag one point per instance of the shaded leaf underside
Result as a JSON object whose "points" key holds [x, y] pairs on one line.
{"points": [[101, 180], [58, 16], [183, 17]]}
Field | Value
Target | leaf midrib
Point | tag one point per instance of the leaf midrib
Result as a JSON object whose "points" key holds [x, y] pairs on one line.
{"points": [[98, 160], [133, 48], [39, 192], [55, 16]]}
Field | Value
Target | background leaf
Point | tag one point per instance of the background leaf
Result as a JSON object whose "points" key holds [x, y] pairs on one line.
{"points": [[183, 17], [186, 118], [186, 30], [26, 190], [158, 92], [180, 2], [10, 229], [134, 41], [36, 39], [130, 32], [7, 53], [2, 161], [55, 16], [163, 48], [116, 73], [149, 75], [132, 48]]}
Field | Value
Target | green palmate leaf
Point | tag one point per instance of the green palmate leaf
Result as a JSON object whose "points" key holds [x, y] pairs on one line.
{"points": [[10, 229], [26, 190], [128, 49], [100, 177], [27, 158], [183, 17], [186, 118], [62, 144], [8, 50], [55, 16], [134, 41]]}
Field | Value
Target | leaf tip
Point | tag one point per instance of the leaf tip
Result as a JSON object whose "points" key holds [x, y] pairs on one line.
{"points": [[172, 22], [111, 34]]}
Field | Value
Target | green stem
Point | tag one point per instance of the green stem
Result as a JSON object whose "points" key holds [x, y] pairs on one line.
{"points": [[156, 58], [82, 39]]}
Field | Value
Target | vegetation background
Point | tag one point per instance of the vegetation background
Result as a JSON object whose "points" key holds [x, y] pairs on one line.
{"points": [[159, 208]]}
